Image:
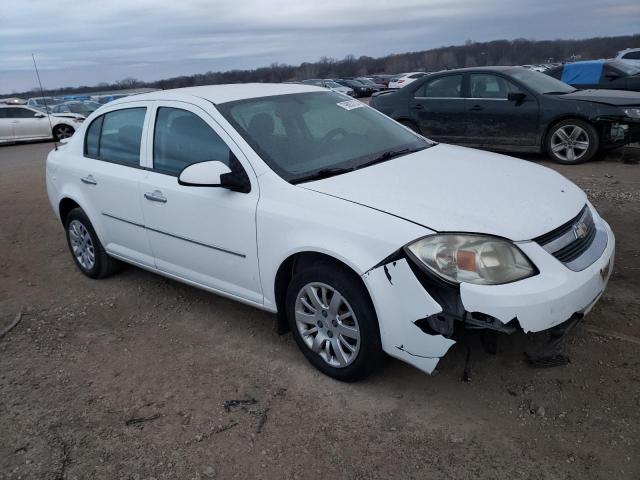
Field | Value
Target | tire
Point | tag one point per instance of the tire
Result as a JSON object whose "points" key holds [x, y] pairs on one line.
{"points": [[85, 247], [359, 356], [572, 141], [62, 131], [410, 125]]}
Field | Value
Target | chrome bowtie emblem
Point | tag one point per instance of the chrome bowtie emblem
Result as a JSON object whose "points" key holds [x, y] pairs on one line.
{"points": [[580, 230]]}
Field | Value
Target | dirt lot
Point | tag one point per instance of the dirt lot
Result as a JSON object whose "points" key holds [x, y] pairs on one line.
{"points": [[128, 377]]}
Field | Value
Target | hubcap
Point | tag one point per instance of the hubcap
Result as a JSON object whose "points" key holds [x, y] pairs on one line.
{"points": [[570, 143], [327, 324], [82, 245], [64, 132]]}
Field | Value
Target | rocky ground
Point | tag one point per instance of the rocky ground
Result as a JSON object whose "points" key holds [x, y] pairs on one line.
{"points": [[140, 377]]}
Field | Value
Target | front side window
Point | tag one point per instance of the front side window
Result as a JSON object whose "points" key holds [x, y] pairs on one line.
{"points": [[116, 136], [443, 87], [308, 135], [4, 113], [182, 138], [21, 113], [490, 86], [632, 55]]}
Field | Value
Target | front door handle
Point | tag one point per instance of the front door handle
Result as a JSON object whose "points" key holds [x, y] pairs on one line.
{"points": [[155, 196], [89, 180], [476, 108], [417, 107]]}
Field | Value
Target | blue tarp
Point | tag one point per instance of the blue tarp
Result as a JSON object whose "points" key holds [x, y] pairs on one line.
{"points": [[582, 73]]}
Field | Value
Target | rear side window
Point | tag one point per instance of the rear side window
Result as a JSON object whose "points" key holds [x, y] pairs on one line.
{"points": [[490, 86], [443, 87], [632, 55], [4, 113], [92, 140], [116, 136], [182, 138]]}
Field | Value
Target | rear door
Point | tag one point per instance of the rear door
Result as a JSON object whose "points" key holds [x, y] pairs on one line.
{"points": [[206, 235], [438, 108], [493, 119], [109, 173]]}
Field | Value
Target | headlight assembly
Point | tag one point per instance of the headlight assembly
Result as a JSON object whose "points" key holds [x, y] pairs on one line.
{"points": [[632, 112], [477, 259]]}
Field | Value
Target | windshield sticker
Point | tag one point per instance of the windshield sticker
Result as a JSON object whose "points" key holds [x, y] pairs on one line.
{"points": [[350, 104]]}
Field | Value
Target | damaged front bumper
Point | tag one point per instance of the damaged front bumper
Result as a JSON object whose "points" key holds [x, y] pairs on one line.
{"points": [[416, 317]]}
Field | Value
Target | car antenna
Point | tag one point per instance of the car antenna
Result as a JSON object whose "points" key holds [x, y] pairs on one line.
{"points": [[46, 108]]}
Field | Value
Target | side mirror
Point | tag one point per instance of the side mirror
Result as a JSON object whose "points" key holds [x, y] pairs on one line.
{"points": [[517, 97], [214, 173], [612, 76], [203, 174], [39, 115]]}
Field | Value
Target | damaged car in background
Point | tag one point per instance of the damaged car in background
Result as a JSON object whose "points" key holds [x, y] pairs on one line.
{"points": [[363, 236], [514, 109]]}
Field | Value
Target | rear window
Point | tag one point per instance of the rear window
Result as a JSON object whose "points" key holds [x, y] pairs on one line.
{"points": [[116, 136]]}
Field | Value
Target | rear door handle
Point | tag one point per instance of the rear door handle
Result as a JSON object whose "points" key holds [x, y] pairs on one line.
{"points": [[89, 180], [155, 196], [476, 108], [417, 107]]}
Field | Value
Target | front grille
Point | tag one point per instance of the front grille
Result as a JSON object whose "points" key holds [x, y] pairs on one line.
{"points": [[572, 239]]}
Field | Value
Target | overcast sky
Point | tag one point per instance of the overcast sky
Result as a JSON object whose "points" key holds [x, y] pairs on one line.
{"points": [[84, 43]]}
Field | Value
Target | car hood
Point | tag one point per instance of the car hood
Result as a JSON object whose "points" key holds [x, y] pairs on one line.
{"points": [[607, 97], [455, 189]]}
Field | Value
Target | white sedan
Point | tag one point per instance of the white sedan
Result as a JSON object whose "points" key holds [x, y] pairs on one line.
{"points": [[362, 236], [405, 79], [23, 122]]}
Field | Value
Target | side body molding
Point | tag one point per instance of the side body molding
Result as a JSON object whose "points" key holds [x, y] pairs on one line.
{"points": [[400, 300]]}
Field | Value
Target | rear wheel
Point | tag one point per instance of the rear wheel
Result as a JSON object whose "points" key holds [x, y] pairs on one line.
{"points": [[86, 249], [62, 131], [333, 322], [572, 141]]}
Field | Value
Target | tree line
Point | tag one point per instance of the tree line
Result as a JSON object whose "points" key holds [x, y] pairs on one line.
{"points": [[498, 52]]}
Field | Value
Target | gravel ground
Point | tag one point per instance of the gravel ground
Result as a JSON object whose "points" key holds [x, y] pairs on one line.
{"points": [[140, 377]]}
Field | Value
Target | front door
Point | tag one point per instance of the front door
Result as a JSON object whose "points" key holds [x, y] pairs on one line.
{"points": [[493, 119], [206, 235], [437, 107], [6, 125], [27, 125]]}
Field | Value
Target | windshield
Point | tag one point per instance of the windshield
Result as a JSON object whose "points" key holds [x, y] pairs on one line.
{"points": [[318, 134], [626, 68], [79, 108], [333, 85], [366, 81], [540, 82]]}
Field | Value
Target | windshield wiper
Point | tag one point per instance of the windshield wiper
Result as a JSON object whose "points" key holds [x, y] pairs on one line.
{"points": [[320, 174], [388, 155]]}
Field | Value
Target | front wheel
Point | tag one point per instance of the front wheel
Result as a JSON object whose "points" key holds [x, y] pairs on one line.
{"points": [[333, 322], [62, 131], [572, 141]]}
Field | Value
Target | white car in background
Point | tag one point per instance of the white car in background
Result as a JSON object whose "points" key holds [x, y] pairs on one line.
{"points": [[328, 213], [405, 79], [630, 56], [23, 122], [331, 85]]}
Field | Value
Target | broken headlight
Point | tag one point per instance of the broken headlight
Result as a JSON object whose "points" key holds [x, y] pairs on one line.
{"points": [[474, 259]]}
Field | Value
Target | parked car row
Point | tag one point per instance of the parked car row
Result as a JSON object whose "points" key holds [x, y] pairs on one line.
{"points": [[607, 74], [515, 109]]}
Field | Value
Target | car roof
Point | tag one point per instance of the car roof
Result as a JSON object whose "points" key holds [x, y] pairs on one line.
{"points": [[223, 93], [483, 69]]}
